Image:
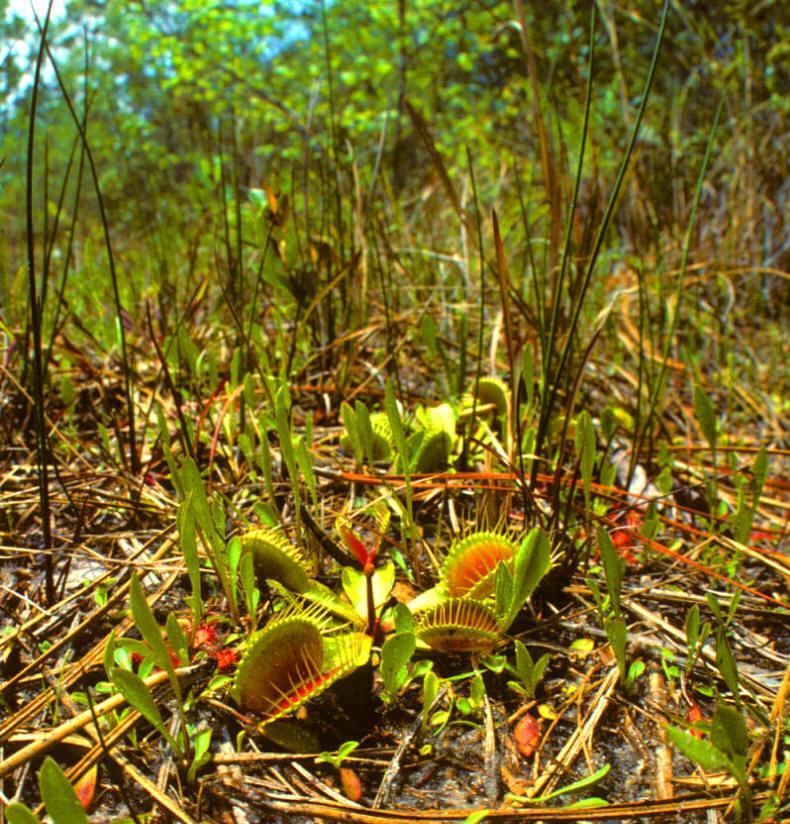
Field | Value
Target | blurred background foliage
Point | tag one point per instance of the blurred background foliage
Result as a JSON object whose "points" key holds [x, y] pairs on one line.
{"points": [[196, 110]]}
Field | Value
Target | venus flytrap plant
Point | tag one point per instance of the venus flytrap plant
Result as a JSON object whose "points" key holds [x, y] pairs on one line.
{"points": [[485, 582]]}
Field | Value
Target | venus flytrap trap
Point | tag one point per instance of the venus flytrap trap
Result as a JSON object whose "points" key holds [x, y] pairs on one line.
{"points": [[292, 660]]}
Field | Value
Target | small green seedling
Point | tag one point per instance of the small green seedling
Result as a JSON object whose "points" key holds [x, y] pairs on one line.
{"points": [[529, 672], [337, 758]]}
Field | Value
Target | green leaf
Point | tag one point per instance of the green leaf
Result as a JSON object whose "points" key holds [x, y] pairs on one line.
{"points": [[715, 607], [476, 817], [728, 731], [18, 813], [193, 483], [531, 563], [187, 533], [581, 784], [393, 416], [402, 618], [617, 634], [201, 755], [291, 737], [477, 690], [282, 416], [349, 418], [109, 653], [726, 663], [540, 668], [58, 795], [584, 803], [430, 689], [234, 556], [524, 662], [395, 655], [585, 447], [692, 629], [706, 414], [176, 638], [251, 592], [365, 432], [146, 623], [701, 752], [137, 694], [613, 569], [759, 474]]}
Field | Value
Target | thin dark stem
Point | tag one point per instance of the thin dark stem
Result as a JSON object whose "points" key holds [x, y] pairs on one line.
{"points": [[553, 388], [125, 355], [35, 322], [478, 367]]}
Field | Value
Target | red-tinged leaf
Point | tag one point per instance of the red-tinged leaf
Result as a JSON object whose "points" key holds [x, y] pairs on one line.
{"points": [[352, 786], [695, 715], [355, 545], [526, 735], [86, 787]]}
